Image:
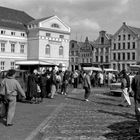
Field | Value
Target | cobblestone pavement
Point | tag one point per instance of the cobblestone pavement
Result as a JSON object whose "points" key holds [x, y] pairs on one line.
{"points": [[99, 119]]}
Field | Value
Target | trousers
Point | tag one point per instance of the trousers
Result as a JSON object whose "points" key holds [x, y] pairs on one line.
{"points": [[11, 108]]}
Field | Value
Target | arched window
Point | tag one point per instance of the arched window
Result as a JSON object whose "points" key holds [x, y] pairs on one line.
{"points": [[61, 50], [47, 49]]}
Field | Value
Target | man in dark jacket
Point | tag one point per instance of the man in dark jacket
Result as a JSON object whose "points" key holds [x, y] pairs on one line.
{"points": [[125, 86], [87, 85], [135, 85]]}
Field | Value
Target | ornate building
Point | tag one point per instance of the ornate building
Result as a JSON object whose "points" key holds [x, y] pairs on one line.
{"points": [[125, 47], [101, 53], [25, 38], [74, 55]]}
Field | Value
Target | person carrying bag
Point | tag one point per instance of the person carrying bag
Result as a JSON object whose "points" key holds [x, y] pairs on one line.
{"points": [[11, 88]]}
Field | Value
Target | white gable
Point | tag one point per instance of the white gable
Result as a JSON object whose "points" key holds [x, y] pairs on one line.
{"points": [[54, 23]]}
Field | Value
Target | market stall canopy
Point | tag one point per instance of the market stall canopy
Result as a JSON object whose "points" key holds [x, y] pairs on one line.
{"points": [[92, 68], [34, 62], [110, 70]]}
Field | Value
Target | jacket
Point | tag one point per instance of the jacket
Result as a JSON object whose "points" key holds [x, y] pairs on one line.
{"points": [[12, 87], [86, 81]]}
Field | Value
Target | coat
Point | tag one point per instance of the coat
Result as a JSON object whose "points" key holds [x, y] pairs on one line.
{"points": [[135, 85]]}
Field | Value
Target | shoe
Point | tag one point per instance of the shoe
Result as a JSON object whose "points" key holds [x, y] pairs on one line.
{"points": [[86, 100], [9, 124], [137, 130], [120, 105]]}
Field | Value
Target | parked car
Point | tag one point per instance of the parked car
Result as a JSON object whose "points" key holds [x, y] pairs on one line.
{"points": [[21, 77], [115, 88]]}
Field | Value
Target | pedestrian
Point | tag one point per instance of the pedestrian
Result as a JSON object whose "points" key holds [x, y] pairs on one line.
{"points": [[53, 83], [125, 86], [43, 85], [66, 78], [135, 85], [12, 88], [32, 86], [87, 85]]}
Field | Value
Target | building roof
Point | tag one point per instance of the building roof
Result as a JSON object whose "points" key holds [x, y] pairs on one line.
{"points": [[14, 19], [39, 20], [134, 29]]}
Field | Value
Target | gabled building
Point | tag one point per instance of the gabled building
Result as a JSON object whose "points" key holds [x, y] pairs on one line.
{"points": [[13, 36], [101, 53], [74, 55], [125, 48], [24, 38], [50, 38], [86, 53]]}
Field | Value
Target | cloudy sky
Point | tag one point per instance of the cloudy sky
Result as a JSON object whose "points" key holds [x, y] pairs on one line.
{"points": [[85, 17]]}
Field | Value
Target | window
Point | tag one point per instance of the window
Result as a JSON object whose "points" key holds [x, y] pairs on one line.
{"points": [[47, 50], [2, 47], [123, 37], [101, 59], [12, 65], [76, 59], [123, 56], [12, 48], [123, 66], [119, 46], [87, 60], [12, 33], [133, 44], [48, 34], [2, 65], [106, 58], [96, 58], [83, 60], [102, 40], [119, 37], [72, 60], [72, 53], [128, 36], [90, 60], [61, 36], [107, 50], [2, 32], [22, 48], [23, 34], [72, 45], [128, 56], [128, 45], [123, 45], [55, 25], [61, 50], [114, 66], [133, 56], [119, 56], [114, 46], [114, 56]]}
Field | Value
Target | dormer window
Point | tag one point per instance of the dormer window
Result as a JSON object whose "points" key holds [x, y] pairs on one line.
{"points": [[55, 25]]}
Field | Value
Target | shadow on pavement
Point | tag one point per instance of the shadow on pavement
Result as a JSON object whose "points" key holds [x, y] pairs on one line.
{"points": [[124, 114], [76, 98], [123, 131], [105, 103]]}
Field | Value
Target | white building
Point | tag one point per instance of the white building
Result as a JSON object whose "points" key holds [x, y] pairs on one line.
{"points": [[125, 48], [24, 38]]}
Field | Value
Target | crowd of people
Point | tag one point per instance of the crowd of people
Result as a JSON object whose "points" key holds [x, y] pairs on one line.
{"points": [[46, 83]]}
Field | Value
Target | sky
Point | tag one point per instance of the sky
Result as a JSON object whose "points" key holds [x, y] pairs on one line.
{"points": [[86, 18]]}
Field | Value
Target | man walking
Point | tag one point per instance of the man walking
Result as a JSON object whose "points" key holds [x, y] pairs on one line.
{"points": [[12, 88], [87, 85], [125, 86], [135, 85]]}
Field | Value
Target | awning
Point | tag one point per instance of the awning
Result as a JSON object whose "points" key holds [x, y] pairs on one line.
{"points": [[92, 68], [34, 62], [110, 70]]}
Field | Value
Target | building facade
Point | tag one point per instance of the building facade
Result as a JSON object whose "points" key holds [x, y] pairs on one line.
{"points": [[74, 55], [86, 53], [101, 52], [24, 38], [125, 48]]}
